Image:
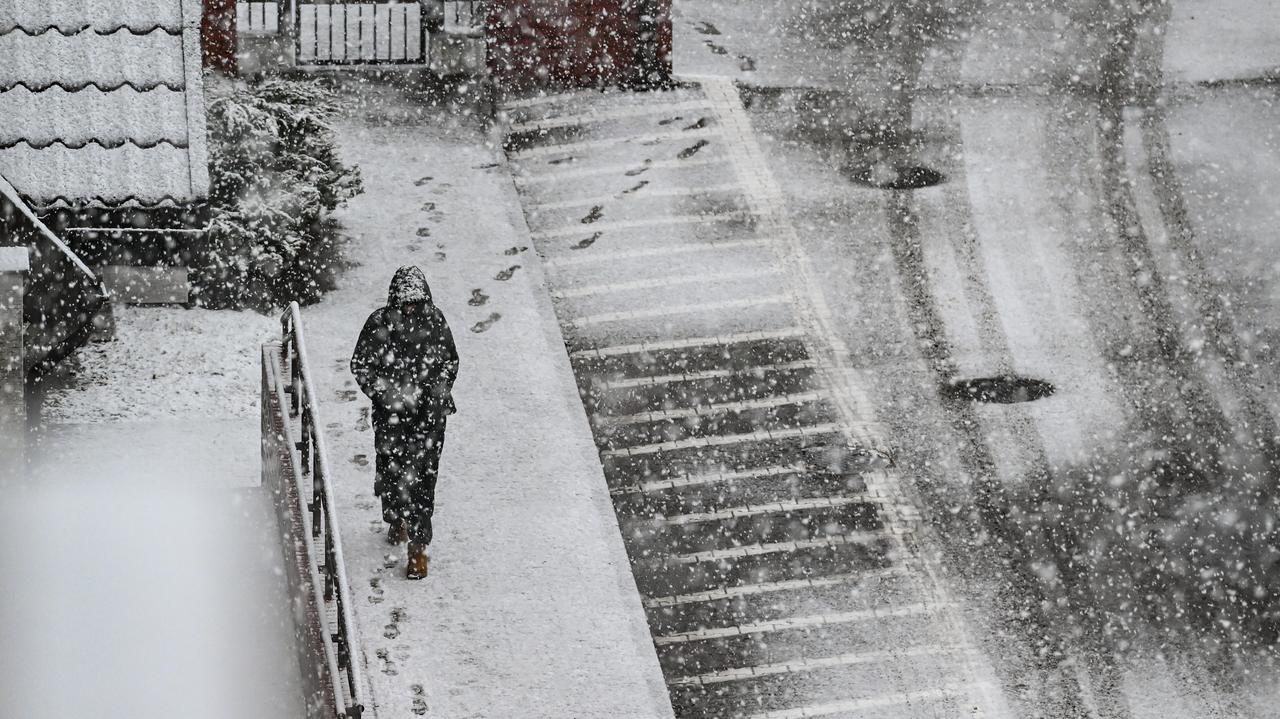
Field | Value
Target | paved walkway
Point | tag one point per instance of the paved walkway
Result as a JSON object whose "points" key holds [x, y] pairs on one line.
{"points": [[775, 547], [530, 609]]}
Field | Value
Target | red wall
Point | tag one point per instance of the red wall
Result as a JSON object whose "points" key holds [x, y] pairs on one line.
{"points": [[218, 35], [579, 42]]}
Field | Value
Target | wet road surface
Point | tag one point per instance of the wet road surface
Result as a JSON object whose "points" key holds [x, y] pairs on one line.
{"points": [[1099, 225]]}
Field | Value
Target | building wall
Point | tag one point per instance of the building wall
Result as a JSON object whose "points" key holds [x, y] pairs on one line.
{"points": [[579, 42]]}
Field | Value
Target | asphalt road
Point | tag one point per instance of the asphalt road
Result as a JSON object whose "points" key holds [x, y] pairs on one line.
{"points": [[1104, 222]]}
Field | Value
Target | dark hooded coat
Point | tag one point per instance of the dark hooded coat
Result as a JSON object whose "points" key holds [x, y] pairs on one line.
{"points": [[406, 363]]}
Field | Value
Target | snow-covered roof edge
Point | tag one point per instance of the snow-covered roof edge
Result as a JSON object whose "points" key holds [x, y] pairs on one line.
{"points": [[9, 193], [197, 127]]}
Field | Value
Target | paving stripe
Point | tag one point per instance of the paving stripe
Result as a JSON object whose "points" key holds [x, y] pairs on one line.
{"points": [[853, 706], [634, 382], [755, 510], [747, 590], [562, 148], [777, 400], [790, 623], [660, 345], [668, 310], [586, 257], [621, 113], [656, 282], [693, 480], [642, 194], [755, 550], [802, 664], [578, 228], [762, 435], [622, 169]]}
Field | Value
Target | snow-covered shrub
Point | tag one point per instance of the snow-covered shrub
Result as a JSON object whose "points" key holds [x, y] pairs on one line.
{"points": [[276, 178]]}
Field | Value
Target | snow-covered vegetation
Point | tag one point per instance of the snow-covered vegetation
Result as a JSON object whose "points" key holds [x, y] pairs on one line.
{"points": [[276, 178]]}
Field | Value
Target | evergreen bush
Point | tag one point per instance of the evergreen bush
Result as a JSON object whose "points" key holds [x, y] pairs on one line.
{"points": [[276, 179]]}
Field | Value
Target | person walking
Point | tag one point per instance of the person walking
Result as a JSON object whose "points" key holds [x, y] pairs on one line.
{"points": [[405, 362]]}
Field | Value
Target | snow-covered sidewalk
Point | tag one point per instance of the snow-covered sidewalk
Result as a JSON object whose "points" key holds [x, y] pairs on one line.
{"points": [[530, 609]]}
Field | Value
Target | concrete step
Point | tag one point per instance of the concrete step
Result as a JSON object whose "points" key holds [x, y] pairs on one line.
{"points": [[750, 604], [795, 411], [723, 490], [758, 525], [718, 351], [669, 575], [700, 389]]}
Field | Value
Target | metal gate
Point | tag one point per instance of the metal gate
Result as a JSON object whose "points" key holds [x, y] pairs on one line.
{"points": [[361, 32]]}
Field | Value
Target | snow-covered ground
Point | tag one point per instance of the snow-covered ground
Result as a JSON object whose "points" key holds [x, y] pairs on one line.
{"points": [[530, 609], [142, 564]]}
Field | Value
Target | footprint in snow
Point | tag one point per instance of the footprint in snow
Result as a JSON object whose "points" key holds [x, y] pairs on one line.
{"points": [[413, 247], [586, 242], [593, 216], [702, 123], [639, 170], [488, 166], [706, 28], [670, 120], [717, 49], [478, 298], [388, 666], [428, 207], [514, 250], [692, 150], [424, 232], [485, 324], [422, 181], [639, 186], [506, 274], [347, 395], [391, 631], [419, 700], [440, 256], [360, 460], [362, 424]]}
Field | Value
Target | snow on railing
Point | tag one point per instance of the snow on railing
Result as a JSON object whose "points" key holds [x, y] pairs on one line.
{"points": [[341, 643]]}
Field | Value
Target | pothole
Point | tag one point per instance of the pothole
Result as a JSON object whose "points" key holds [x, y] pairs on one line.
{"points": [[899, 177], [1007, 389]]}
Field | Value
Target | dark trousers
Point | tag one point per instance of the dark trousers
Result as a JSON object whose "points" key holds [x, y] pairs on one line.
{"points": [[408, 461]]}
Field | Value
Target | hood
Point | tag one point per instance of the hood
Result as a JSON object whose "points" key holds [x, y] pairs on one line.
{"points": [[408, 285]]}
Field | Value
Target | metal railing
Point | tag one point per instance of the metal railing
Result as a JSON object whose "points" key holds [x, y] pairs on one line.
{"points": [[341, 639]]}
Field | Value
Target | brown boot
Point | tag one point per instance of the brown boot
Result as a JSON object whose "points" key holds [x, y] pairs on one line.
{"points": [[397, 533], [418, 561]]}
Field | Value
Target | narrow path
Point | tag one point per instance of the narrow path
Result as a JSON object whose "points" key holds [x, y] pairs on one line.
{"points": [[529, 610]]}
